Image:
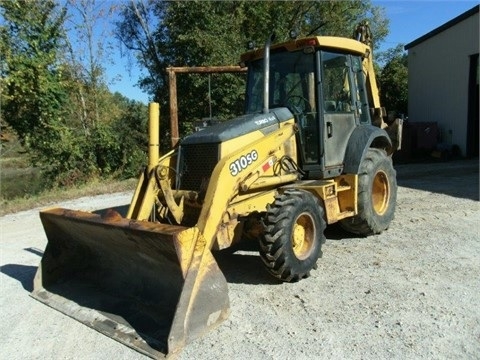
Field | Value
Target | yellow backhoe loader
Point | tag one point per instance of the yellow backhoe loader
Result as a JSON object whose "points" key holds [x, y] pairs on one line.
{"points": [[311, 149]]}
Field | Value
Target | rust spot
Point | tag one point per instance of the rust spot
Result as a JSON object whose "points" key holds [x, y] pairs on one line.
{"points": [[111, 215]]}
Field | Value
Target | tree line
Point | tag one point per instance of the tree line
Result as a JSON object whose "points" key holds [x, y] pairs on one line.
{"points": [[54, 55], [55, 97]]}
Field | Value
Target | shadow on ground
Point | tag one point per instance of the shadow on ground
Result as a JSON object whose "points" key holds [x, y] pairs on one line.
{"points": [[458, 178], [23, 273]]}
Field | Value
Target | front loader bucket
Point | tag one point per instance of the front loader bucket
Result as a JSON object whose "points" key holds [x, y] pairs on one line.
{"points": [[151, 286]]}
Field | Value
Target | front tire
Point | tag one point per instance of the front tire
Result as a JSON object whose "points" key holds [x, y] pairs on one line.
{"points": [[293, 236], [377, 195]]}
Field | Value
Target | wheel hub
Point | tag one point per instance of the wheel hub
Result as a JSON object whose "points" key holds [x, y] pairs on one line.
{"points": [[380, 192], [303, 236]]}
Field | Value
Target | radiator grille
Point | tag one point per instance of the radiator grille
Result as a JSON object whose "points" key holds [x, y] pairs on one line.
{"points": [[196, 165]]}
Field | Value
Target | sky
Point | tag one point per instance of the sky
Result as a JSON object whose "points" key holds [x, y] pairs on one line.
{"points": [[409, 20]]}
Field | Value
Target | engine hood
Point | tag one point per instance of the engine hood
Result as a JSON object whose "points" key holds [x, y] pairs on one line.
{"points": [[238, 126]]}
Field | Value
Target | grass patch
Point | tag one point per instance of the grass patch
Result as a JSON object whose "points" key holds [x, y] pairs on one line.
{"points": [[22, 187], [20, 182], [13, 163], [47, 197]]}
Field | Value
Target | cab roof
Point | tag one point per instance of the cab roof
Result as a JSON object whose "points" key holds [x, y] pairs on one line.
{"points": [[341, 44]]}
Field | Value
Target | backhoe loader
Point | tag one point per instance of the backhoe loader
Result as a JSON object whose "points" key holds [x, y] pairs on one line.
{"points": [[311, 149]]}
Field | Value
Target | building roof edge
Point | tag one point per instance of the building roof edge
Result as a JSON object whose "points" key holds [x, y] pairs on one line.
{"points": [[444, 27]]}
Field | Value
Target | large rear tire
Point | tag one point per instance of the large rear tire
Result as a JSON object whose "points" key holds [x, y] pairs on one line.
{"points": [[293, 236], [377, 195]]}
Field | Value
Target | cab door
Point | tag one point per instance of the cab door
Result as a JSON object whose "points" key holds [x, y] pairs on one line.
{"points": [[341, 108]]}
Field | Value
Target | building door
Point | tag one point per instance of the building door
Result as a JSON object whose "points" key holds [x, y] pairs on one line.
{"points": [[473, 108]]}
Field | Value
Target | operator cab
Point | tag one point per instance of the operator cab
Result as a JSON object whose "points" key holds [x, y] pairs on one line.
{"points": [[325, 90]]}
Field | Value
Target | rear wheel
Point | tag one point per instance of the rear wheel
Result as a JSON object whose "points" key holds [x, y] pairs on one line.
{"points": [[293, 236], [377, 195]]}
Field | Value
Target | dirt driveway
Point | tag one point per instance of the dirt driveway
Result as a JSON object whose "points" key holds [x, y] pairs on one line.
{"points": [[409, 293]]}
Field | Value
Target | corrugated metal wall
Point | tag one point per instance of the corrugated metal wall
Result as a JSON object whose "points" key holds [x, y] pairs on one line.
{"points": [[438, 71]]}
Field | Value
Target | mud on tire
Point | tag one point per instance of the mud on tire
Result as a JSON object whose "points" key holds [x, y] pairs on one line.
{"points": [[293, 236]]}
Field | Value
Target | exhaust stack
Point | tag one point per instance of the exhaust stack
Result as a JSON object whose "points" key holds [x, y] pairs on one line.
{"points": [[266, 73]]}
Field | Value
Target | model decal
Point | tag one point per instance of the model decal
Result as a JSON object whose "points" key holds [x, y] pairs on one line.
{"points": [[240, 164], [265, 120]]}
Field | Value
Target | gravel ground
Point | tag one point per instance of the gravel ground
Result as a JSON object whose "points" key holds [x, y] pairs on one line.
{"points": [[409, 293]]}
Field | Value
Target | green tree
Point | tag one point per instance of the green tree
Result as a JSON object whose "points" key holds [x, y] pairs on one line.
{"points": [[87, 53], [71, 125], [393, 80], [32, 88], [209, 33], [131, 128]]}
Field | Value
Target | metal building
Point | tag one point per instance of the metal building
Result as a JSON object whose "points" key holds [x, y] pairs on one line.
{"points": [[443, 77]]}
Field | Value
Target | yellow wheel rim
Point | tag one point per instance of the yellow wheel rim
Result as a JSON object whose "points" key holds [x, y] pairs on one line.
{"points": [[380, 193], [303, 236]]}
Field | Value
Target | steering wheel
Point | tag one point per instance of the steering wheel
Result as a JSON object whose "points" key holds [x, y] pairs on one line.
{"points": [[296, 102]]}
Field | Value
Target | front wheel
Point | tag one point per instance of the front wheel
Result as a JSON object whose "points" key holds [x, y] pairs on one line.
{"points": [[293, 235], [377, 195]]}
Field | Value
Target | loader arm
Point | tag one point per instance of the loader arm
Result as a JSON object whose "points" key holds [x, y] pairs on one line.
{"points": [[147, 189], [216, 202]]}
